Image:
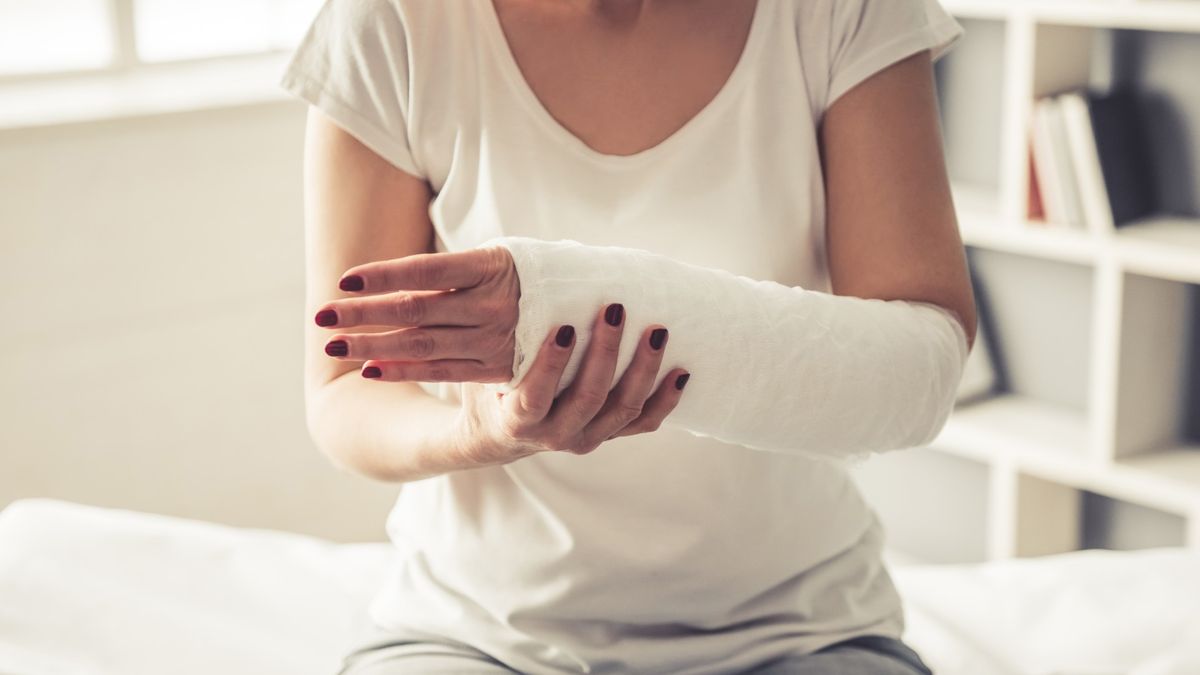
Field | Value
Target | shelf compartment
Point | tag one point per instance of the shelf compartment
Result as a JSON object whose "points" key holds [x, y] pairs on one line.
{"points": [[1158, 377], [1119, 525], [1033, 516], [969, 89], [1037, 315], [931, 504]]}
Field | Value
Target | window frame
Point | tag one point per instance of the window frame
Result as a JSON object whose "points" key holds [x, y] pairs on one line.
{"points": [[125, 60]]}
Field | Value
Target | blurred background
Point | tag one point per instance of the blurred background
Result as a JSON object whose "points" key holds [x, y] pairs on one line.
{"points": [[151, 250]]}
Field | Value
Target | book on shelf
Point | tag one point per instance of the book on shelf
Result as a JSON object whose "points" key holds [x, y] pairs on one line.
{"points": [[1035, 209], [1090, 162]]}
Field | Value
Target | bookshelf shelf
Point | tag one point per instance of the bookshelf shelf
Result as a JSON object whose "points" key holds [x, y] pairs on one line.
{"points": [[1167, 247], [1029, 239], [1018, 428], [1169, 476], [1094, 420], [1049, 443], [1159, 15]]}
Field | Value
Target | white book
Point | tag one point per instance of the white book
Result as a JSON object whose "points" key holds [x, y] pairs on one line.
{"points": [[1097, 211], [1044, 164], [1066, 167]]}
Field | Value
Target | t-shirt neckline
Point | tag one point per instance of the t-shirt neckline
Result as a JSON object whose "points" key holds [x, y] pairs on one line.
{"points": [[511, 72]]}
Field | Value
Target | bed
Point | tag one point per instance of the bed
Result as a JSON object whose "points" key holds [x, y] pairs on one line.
{"points": [[91, 590]]}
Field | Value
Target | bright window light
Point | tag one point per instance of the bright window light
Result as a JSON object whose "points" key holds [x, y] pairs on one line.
{"points": [[171, 30], [54, 35]]}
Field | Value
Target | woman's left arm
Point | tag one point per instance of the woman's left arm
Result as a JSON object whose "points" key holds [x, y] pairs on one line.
{"points": [[891, 230], [872, 367]]}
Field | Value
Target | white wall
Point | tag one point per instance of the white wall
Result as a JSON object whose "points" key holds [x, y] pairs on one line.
{"points": [[151, 294]]}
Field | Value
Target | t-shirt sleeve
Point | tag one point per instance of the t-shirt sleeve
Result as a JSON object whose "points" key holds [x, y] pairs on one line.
{"points": [[870, 35], [352, 64]]}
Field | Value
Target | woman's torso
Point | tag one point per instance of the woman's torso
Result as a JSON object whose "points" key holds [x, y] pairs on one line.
{"points": [[662, 552]]}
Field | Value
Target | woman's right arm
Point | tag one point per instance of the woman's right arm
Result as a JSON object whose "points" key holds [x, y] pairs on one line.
{"points": [[360, 208]]}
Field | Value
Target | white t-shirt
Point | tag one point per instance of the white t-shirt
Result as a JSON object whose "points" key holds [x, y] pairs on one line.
{"points": [[657, 553]]}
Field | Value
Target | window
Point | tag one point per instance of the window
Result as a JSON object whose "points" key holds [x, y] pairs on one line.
{"points": [[170, 30], [45, 36], [54, 35]]}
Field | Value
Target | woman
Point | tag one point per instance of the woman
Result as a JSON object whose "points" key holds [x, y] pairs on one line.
{"points": [[568, 504]]}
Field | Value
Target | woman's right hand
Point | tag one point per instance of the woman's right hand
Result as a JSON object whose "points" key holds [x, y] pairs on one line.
{"points": [[495, 428]]}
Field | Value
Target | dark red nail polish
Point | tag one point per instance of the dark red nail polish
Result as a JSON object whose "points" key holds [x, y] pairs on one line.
{"points": [[372, 372], [657, 337], [326, 317], [682, 380], [351, 283], [563, 338], [337, 348], [614, 313]]}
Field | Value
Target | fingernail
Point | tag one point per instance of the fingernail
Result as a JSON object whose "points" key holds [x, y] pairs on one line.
{"points": [[563, 338], [351, 283], [614, 313], [657, 337], [337, 348], [371, 372], [682, 380], [326, 317]]}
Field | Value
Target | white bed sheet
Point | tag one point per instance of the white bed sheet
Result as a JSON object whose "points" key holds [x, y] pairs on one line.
{"points": [[90, 590]]}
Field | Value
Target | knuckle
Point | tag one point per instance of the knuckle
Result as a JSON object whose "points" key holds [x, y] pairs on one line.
{"points": [[409, 309], [426, 273], [560, 443], [421, 346], [439, 374], [610, 347], [498, 338], [589, 399], [626, 412], [498, 260], [525, 408]]}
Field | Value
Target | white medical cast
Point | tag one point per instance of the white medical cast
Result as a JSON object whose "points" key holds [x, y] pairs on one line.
{"points": [[772, 367]]}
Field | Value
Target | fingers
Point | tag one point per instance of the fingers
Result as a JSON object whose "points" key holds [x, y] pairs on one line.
{"points": [[420, 308], [529, 403], [423, 344], [447, 370], [583, 398], [426, 271], [659, 405], [626, 400]]}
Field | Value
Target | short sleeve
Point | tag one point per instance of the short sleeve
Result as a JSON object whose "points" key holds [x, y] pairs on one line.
{"points": [[353, 65], [870, 35]]}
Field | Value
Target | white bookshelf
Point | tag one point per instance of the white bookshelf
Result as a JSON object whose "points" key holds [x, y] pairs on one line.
{"points": [[1119, 431]]}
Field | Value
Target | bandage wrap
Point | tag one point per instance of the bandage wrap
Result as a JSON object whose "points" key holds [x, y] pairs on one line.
{"points": [[774, 367]]}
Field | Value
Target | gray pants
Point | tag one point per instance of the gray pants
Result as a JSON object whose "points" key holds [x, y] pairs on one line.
{"points": [[869, 655]]}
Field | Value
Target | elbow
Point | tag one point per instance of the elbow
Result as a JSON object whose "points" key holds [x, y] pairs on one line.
{"points": [[318, 425], [945, 375]]}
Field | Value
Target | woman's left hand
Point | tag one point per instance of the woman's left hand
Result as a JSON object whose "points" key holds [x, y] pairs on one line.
{"points": [[456, 314]]}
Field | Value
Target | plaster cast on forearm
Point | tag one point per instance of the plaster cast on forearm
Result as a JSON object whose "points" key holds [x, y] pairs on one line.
{"points": [[773, 367]]}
